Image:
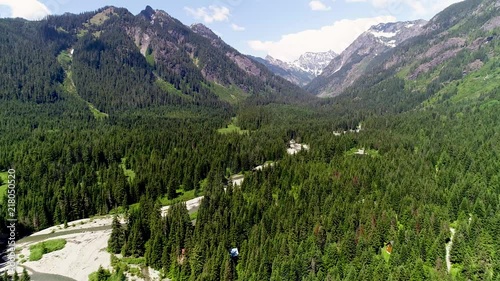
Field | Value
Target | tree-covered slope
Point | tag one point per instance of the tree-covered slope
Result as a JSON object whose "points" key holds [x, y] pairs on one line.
{"points": [[352, 63], [116, 61], [458, 45]]}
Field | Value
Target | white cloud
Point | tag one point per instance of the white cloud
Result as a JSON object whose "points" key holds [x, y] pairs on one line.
{"points": [[236, 27], [316, 5], [336, 37], [419, 8], [28, 9], [209, 14]]}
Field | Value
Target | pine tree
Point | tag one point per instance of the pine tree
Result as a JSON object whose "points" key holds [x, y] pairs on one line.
{"points": [[25, 276], [103, 274], [228, 270], [171, 190], [116, 241]]}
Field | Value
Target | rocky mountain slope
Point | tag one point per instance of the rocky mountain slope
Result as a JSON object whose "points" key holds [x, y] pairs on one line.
{"points": [[199, 46], [351, 64], [314, 63], [113, 60], [453, 60], [301, 71], [286, 70]]}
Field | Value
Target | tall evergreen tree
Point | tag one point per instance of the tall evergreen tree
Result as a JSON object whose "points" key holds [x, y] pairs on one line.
{"points": [[116, 240], [25, 276]]}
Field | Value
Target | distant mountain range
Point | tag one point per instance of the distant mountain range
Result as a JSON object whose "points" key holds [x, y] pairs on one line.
{"points": [[301, 71], [351, 64], [314, 63], [111, 56]]}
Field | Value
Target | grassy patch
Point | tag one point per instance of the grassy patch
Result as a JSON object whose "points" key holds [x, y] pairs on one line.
{"points": [[229, 94], [400, 226], [135, 271], [62, 30], [193, 216], [489, 104], [100, 18], [471, 87], [38, 250], [107, 275], [169, 88], [97, 114], [150, 59], [385, 254], [405, 72], [184, 196], [134, 207], [232, 128], [454, 224], [3, 188], [132, 260], [65, 60], [129, 173], [82, 32], [127, 264], [203, 184], [455, 271]]}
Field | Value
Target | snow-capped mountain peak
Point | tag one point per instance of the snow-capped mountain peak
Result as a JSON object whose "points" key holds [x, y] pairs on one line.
{"points": [[314, 63], [301, 71], [280, 63], [391, 34], [349, 66]]}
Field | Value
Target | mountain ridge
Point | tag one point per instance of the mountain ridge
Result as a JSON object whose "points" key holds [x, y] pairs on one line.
{"points": [[452, 61], [152, 51], [350, 65], [301, 71]]}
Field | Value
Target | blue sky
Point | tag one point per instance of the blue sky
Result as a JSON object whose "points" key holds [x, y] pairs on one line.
{"points": [[283, 29]]}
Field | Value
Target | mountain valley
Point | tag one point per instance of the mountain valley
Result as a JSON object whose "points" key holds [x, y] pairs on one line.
{"points": [[184, 159]]}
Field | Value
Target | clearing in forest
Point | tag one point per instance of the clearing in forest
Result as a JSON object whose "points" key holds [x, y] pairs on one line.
{"points": [[3, 184], [232, 128]]}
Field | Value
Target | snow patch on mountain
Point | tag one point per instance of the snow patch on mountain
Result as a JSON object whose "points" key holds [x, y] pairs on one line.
{"points": [[301, 71], [391, 43], [383, 34], [351, 64], [314, 63]]}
